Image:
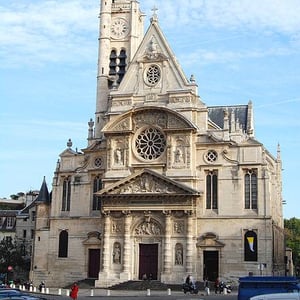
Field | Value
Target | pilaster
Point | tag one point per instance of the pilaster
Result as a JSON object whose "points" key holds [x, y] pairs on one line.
{"points": [[126, 274]]}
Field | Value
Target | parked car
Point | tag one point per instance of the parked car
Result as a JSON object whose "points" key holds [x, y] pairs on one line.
{"points": [[277, 296], [251, 286], [12, 293]]}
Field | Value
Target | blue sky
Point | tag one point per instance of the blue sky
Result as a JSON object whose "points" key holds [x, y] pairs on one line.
{"points": [[237, 49]]}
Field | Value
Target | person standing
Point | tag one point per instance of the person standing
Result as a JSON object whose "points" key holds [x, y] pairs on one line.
{"points": [[217, 285], [74, 291]]}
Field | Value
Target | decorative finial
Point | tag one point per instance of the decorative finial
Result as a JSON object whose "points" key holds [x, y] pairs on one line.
{"points": [[91, 123], [154, 14], [278, 152], [69, 143], [192, 78]]}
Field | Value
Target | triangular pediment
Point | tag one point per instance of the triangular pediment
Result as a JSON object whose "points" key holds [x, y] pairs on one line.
{"points": [[68, 152], [147, 182], [209, 239], [154, 50]]}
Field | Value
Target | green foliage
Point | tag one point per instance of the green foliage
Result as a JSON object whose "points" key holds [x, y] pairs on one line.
{"points": [[10, 255], [292, 236]]}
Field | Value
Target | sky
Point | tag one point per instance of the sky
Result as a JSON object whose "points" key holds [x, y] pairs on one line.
{"points": [[238, 50]]}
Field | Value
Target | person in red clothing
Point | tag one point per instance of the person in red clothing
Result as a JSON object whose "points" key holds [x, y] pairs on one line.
{"points": [[74, 291]]}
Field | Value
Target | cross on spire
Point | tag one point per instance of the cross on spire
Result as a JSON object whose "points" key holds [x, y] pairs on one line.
{"points": [[154, 14], [154, 9]]}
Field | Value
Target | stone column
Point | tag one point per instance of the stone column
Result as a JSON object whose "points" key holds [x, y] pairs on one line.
{"points": [[167, 263], [106, 248], [189, 242], [103, 280], [126, 274]]}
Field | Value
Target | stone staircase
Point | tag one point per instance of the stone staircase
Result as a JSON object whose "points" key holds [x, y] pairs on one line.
{"points": [[146, 284], [133, 285]]}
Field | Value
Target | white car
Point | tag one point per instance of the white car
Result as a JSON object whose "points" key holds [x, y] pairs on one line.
{"points": [[278, 296]]}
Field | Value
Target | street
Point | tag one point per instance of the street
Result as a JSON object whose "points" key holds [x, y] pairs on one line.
{"points": [[88, 294]]}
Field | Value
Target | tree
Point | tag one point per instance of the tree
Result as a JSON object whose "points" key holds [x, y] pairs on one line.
{"points": [[11, 256], [292, 236]]}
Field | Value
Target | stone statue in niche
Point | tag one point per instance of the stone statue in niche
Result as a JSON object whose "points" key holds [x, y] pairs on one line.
{"points": [[178, 255], [117, 253], [178, 155], [118, 156]]}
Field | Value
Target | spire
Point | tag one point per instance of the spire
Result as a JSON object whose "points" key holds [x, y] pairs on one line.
{"points": [[91, 129], [278, 152], [250, 127], [44, 195]]}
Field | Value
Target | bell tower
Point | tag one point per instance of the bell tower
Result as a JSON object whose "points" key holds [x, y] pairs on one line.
{"points": [[120, 33]]}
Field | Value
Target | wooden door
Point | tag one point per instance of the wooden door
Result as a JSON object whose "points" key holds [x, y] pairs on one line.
{"points": [[94, 263], [211, 265], [148, 260]]}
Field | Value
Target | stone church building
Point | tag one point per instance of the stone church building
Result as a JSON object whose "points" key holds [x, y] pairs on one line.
{"points": [[167, 186]]}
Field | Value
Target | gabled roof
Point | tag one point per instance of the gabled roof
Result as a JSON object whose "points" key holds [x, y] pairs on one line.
{"points": [[147, 182], [154, 48]]}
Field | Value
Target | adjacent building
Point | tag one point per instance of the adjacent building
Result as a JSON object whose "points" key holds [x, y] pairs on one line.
{"points": [[167, 185]]}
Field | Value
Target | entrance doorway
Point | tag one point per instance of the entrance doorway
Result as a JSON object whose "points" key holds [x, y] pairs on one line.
{"points": [[211, 265], [94, 263], [148, 260]]}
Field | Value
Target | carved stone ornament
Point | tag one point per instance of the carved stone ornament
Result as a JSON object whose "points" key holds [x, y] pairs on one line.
{"points": [[150, 118], [153, 51], [147, 184], [179, 227], [148, 228], [116, 227], [209, 239]]}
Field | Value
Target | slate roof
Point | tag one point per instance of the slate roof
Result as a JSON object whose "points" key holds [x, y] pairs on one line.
{"points": [[216, 114], [44, 195], [4, 214]]}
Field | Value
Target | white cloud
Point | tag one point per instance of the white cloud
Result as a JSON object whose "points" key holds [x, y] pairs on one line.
{"points": [[47, 31], [54, 31], [279, 15]]}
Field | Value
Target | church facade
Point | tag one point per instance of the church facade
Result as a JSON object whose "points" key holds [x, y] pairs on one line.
{"points": [[167, 186]]}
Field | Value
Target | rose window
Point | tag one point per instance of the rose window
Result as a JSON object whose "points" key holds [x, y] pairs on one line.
{"points": [[152, 75], [150, 143]]}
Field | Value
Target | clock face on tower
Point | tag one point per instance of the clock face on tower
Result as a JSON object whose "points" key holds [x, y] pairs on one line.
{"points": [[119, 28]]}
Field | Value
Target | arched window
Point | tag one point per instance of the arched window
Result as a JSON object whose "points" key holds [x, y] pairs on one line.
{"points": [[122, 65], [250, 189], [63, 244], [66, 195], [113, 62], [97, 186], [212, 190]]}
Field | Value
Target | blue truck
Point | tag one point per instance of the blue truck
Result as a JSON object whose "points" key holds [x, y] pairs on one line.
{"points": [[250, 286]]}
